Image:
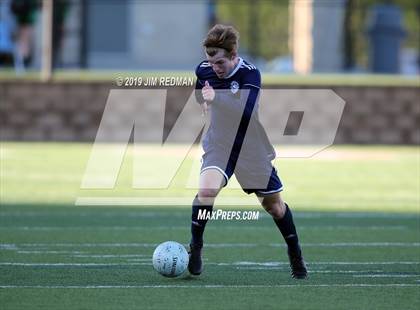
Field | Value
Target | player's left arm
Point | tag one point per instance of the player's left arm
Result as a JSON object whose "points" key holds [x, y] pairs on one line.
{"points": [[199, 84]]}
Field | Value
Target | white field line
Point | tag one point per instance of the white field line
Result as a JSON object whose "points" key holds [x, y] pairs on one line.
{"points": [[70, 264], [112, 245], [185, 227], [386, 276], [312, 270], [271, 264], [48, 252], [204, 286], [247, 263], [356, 244], [354, 273], [7, 246], [82, 255], [113, 256]]}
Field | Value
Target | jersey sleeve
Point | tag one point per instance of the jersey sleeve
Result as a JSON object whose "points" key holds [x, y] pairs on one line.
{"points": [[252, 79], [199, 84]]}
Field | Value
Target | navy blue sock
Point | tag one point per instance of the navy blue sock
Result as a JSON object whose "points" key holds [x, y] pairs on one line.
{"points": [[288, 229], [198, 225]]}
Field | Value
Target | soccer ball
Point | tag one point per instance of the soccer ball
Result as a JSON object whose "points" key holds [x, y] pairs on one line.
{"points": [[170, 259]]}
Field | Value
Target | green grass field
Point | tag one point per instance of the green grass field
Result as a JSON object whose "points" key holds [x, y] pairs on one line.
{"points": [[356, 208], [268, 79]]}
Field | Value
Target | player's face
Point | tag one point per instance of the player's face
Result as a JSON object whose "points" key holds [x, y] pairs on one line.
{"points": [[221, 64]]}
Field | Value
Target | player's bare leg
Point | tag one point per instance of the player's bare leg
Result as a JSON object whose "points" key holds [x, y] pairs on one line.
{"points": [[211, 182], [273, 204], [283, 218]]}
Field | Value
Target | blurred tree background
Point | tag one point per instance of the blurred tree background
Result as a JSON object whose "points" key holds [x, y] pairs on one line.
{"points": [[264, 26], [358, 10]]}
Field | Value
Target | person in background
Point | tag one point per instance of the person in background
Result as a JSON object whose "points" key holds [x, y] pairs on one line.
{"points": [[25, 15]]}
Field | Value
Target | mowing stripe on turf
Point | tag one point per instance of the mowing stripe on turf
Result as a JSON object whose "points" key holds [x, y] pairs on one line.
{"points": [[172, 214], [241, 227], [204, 286], [158, 201], [130, 214], [181, 201]]}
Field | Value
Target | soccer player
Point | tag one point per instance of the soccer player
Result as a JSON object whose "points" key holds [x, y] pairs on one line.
{"points": [[230, 86]]}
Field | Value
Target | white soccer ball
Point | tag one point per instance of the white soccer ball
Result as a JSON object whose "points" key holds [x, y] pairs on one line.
{"points": [[170, 259]]}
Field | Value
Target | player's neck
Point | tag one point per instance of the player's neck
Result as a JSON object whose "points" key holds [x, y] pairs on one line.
{"points": [[235, 64], [235, 61]]}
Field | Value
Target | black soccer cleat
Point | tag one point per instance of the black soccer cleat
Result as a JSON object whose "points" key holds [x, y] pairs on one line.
{"points": [[297, 264], [195, 264]]}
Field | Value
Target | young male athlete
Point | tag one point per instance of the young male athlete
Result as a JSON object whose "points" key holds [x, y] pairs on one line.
{"points": [[236, 143]]}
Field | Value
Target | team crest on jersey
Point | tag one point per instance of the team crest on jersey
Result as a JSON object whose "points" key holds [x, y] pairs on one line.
{"points": [[234, 87]]}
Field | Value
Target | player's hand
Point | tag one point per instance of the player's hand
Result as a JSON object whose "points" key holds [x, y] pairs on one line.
{"points": [[208, 92]]}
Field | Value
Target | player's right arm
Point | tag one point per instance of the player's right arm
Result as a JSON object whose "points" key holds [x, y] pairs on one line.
{"points": [[199, 84]]}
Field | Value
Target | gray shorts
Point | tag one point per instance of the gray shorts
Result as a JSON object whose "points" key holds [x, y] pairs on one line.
{"points": [[254, 176]]}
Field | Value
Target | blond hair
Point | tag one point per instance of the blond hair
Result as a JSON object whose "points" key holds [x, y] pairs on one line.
{"points": [[224, 37]]}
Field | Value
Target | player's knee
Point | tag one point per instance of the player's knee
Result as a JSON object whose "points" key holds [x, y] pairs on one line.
{"points": [[276, 210], [207, 193]]}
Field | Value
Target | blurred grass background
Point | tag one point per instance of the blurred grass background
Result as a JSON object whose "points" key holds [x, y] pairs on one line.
{"points": [[340, 178], [267, 78]]}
